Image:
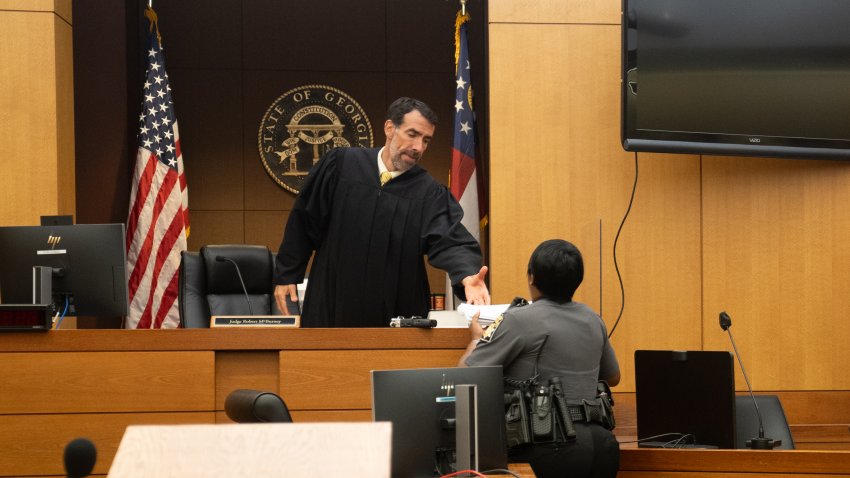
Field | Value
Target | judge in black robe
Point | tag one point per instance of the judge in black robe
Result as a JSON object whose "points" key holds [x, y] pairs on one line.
{"points": [[370, 240]]}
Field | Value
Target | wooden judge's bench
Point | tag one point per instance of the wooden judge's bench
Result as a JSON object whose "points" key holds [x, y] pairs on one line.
{"points": [[64, 384]]}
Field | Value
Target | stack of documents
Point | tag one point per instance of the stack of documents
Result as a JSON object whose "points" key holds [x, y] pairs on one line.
{"points": [[489, 313]]}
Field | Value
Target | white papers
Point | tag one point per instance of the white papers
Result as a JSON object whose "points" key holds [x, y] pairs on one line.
{"points": [[489, 313]]}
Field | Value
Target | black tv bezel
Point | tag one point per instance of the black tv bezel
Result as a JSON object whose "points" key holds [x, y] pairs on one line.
{"points": [[637, 140]]}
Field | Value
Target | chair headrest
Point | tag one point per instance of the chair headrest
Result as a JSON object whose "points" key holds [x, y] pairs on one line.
{"points": [[255, 264], [254, 406]]}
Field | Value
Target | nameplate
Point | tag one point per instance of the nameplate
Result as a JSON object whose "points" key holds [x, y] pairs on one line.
{"points": [[256, 321]]}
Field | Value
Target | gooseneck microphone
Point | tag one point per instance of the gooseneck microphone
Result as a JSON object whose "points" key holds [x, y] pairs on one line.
{"points": [[244, 289], [760, 443], [80, 457]]}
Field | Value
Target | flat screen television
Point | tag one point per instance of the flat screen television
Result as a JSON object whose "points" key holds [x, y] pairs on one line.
{"points": [[736, 77], [88, 261], [419, 404]]}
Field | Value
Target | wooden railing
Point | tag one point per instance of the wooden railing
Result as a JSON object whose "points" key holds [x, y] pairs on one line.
{"points": [[60, 385]]}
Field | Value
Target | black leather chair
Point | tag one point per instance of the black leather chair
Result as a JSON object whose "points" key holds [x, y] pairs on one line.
{"points": [[773, 416], [254, 406], [211, 287]]}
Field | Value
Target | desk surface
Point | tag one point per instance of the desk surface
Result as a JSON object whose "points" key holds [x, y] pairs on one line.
{"points": [[691, 462]]}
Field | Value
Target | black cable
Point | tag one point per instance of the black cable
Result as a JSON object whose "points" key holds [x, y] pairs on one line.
{"points": [[617, 238]]}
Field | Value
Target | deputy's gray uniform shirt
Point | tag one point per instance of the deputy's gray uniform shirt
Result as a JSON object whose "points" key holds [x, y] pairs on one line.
{"points": [[577, 350]]}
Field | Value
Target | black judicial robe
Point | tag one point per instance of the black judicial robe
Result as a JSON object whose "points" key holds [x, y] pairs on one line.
{"points": [[370, 242]]}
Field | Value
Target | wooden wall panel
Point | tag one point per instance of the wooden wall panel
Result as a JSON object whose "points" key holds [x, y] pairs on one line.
{"points": [[216, 227], [777, 246], [332, 416], [321, 380], [64, 112], [213, 168], [253, 370], [106, 382], [555, 11], [36, 115], [264, 228], [33, 444], [558, 170]]}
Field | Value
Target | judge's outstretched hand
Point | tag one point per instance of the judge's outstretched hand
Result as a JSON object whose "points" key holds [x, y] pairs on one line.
{"points": [[280, 293], [475, 288]]}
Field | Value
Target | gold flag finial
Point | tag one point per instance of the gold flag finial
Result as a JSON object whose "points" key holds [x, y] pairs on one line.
{"points": [[154, 20]]}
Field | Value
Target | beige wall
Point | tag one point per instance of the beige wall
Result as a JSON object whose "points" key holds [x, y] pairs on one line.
{"points": [[36, 110], [767, 240]]}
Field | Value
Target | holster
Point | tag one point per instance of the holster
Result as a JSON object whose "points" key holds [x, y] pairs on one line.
{"points": [[516, 419]]}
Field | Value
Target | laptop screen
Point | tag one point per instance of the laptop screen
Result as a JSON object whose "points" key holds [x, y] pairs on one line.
{"points": [[685, 398]]}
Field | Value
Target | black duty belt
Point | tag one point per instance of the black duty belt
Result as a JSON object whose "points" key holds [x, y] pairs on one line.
{"points": [[589, 412]]}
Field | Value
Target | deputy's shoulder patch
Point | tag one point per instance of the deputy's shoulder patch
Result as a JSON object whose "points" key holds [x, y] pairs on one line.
{"points": [[491, 329]]}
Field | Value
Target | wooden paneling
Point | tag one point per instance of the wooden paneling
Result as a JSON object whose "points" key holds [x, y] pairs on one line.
{"points": [[237, 339], [213, 168], [332, 416], [776, 247], [216, 227], [264, 228], [189, 44], [818, 419], [105, 150], [106, 382], [249, 369], [720, 462], [33, 444], [319, 380], [557, 170], [336, 35], [33, 109], [555, 11], [65, 154], [62, 8]]}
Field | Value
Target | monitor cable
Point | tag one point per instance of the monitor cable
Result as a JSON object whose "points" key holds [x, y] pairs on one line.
{"points": [[616, 239]]}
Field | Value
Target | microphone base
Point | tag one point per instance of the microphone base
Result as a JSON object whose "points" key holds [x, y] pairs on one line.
{"points": [[763, 443]]}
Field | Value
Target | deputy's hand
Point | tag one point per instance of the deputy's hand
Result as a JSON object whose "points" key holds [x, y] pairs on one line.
{"points": [[475, 329], [475, 288], [280, 293]]}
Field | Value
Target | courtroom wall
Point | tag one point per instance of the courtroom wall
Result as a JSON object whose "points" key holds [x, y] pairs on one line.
{"points": [[36, 111], [767, 240], [228, 61]]}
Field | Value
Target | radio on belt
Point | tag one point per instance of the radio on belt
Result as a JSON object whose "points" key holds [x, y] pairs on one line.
{"points": [[413, 322]]}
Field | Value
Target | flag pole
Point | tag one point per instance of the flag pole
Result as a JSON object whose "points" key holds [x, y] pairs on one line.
{"points": [[462, 7]]}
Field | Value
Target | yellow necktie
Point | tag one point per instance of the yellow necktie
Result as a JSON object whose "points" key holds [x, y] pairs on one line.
{"points": [[385, 177]]}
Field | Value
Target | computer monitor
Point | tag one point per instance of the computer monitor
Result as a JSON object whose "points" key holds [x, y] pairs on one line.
{"points": [[685, 398], [88, 262], [415, 401]]}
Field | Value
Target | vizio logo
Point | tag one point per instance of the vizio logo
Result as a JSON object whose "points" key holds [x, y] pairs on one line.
{"points": [[755, 140]]}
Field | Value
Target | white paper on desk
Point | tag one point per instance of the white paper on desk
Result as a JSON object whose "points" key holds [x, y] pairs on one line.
{"points": [[489, 313]]}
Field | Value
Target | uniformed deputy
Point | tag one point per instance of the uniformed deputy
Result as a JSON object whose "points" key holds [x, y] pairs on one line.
{"points": [[575, 348]]}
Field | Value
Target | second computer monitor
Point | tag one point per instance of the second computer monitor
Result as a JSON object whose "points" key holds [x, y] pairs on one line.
{"points": [[685, 398]]}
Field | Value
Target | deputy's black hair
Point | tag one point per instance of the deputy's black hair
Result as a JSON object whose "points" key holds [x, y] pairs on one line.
{"points": [[558, 269]]}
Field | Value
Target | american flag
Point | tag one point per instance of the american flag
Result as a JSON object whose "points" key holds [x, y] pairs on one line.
{"points": [[158, 222], [464, 184], [462, 180]]}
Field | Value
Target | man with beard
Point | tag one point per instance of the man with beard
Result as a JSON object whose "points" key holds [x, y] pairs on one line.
{"points": [[372, 216]]}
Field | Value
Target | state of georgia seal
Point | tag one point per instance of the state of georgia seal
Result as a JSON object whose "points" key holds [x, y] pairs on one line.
{"points": [[302, 124]]}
